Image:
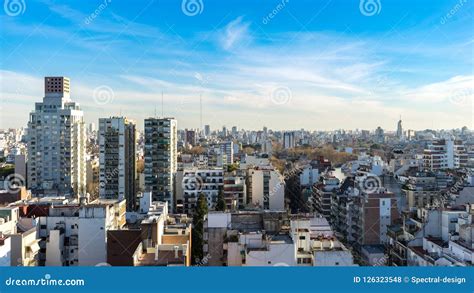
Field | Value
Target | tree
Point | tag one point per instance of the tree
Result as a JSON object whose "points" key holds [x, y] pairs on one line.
{"points": [[220, 206], [232, 167], [199, 216]]}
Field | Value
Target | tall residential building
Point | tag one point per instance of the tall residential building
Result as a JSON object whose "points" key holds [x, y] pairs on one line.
{"points": [[191, 137], [161, 158], [56, 143], [195, 182], [227, 148], [117, 176], [379, 135], [445, 154], [400, 129], [207, 130], [289, 140]]}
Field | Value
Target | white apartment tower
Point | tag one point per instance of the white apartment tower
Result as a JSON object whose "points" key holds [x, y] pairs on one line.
{"points": [[56, 143], [227, 148], [117, 176], [445, 154], [161, 158]]}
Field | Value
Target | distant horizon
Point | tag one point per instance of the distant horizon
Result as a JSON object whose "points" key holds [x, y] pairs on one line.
{"points": [[323, 65]]}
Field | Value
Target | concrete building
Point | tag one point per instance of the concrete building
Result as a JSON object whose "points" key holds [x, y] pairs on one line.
{"points": [[266, 188], [272, 239], [235, 191], [191, 137], [56, 143], [117, 160], [434, 237], [323, 193], [75, 234], [158, 239], [445, 154], [400, 134], [379, 135], [289, 140], [5, 250], [227, 148], [209, 182], [161, 158]]}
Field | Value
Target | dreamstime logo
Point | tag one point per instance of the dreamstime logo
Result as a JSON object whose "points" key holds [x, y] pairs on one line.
{"points": [[193, 182], [203, 79], [103, 264], [281, 95], [275, 11], [14, 7], [13, 183], [192, 7], [460, 97], [455, 9], [103, 95], [108, 177], [97, 12], [370, 183], [204, 261], [370, 7]]}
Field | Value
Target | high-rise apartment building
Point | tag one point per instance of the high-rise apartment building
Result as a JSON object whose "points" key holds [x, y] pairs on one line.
{"points": [[289, 140], [207, 130], [161, 158], [445, 154], [227, 148], [400, 134], [56, 143], [379, 135], [117, 176]]}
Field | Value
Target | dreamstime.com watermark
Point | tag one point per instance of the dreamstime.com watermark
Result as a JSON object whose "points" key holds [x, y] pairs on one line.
{"points": [[44, 281], [96, 12], [275, 11], [370, 7], [455, 9], [192, 7], [14, 7]]}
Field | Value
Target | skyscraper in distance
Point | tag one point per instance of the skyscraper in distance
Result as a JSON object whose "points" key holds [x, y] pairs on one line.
{"points": [[56, 143], [400, 129]]}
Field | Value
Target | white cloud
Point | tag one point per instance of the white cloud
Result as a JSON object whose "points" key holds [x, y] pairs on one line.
{"points": [[234, 34]]}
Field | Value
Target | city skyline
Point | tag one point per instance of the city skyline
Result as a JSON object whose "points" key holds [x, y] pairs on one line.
{"points": [[322, 68]]}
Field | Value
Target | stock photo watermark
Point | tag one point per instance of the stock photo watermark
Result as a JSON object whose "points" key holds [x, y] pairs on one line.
{"points": [[370, 7], [14, 7], [97, 12], [281, 95], [279, 7], [103, 95], [192, 7], [455, 9]]}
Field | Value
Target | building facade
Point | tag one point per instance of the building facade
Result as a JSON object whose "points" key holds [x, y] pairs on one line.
{"points": [[117, 176], [56, 143], [161, 158]]}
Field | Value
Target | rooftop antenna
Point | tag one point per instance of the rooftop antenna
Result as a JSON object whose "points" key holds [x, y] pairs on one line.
{"points": [[200, 106], [162, 110]]}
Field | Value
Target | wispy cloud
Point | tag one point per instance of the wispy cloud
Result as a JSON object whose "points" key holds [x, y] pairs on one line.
{"points": [[234, 34]]}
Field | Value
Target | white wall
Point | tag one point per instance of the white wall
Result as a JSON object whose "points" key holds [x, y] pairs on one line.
{"points": [[278, 254], [5, 253], [92, 241]]}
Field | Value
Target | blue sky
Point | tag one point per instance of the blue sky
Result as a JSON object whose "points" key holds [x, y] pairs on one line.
{"points": [[321, 65]]}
